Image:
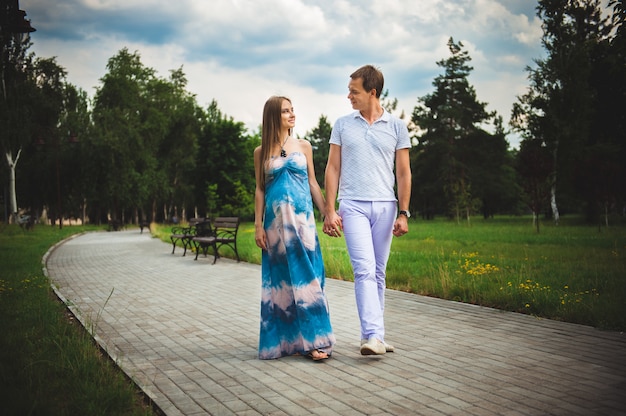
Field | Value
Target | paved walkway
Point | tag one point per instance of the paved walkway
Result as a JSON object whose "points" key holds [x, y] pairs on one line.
{"points": [[186, 331]]}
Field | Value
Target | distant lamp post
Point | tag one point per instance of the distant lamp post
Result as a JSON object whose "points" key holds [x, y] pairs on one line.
{"points": [[13, 19], [13, 26]]}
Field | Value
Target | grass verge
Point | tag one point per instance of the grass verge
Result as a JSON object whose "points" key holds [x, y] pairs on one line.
{"points": [[48, 363]]}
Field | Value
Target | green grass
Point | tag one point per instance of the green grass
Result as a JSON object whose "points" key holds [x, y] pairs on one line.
{"points": [[49, 365], [571, 272]]}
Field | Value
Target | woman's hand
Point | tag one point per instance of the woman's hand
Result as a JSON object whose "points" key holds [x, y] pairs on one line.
{"points": [[260, 238]]}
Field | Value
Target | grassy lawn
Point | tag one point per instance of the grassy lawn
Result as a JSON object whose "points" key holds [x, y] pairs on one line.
{"points": [[48, 364], [571, 272]]}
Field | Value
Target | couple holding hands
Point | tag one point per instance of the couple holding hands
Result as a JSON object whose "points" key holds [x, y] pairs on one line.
{"points": [[369, 153]]}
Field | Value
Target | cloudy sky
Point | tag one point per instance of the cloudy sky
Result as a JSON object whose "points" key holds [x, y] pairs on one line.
{"points": [[240, 52]]}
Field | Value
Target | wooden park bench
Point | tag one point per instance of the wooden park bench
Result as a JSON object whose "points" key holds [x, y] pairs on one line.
{"points": [[221, 232], [185, 234]]}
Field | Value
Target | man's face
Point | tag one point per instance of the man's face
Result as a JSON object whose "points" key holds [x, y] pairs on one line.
{"points": [[359, 98]]}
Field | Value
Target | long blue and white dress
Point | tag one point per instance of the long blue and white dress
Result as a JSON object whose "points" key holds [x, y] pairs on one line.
{"points": [[295, 317]]}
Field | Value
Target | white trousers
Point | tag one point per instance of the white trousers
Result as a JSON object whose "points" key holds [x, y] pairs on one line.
{"points": [[368, 230]]}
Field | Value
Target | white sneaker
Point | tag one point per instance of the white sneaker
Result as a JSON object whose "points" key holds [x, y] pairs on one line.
{"points": [[388, 347], [373, 346]]}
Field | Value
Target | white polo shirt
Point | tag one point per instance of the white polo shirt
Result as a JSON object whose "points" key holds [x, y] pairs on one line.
{"points": [[368, 154]]}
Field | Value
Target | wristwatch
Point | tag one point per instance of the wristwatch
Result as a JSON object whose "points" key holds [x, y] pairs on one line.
{"points": [[405, 213]]}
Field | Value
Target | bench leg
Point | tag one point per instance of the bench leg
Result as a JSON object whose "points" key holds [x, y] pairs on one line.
{"points": [[205, 249], [198, 247], [233, 247], [236, 253], [186, 244]]}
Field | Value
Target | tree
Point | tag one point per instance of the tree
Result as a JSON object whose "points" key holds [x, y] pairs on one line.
{"points": [[76, 122], [119, 111], [51, 180], [447, 119], [491, 171], [559, 106], [600, 175], [49, 79], [177, 152], [146, 137], [225, 159], [17, 92], [319, 138], [534, 167]]}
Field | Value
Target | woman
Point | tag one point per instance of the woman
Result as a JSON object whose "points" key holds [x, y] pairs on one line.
{"points": [[294, 311]]}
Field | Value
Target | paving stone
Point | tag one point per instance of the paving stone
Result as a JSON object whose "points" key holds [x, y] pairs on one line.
{"points": [[187, 332]]}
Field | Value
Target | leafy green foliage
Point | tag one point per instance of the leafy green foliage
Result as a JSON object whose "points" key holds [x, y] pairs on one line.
{"points": [[574, 104], [147, 130], [225, 161], [319, 138], [458, 168]]}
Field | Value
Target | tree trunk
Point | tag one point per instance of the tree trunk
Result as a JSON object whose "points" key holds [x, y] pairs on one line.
{"points": [[553, 205], [12, 194], [536, 220], [555, 208]]}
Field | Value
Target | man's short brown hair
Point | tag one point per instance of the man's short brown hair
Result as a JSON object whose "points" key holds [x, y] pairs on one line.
{"points": [[372, 78]]}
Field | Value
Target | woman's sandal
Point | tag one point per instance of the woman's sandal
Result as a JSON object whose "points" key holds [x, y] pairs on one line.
{"points": [[317, 355]]}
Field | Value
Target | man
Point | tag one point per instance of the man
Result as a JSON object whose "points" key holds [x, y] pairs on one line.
{"points": [[364, 146]]}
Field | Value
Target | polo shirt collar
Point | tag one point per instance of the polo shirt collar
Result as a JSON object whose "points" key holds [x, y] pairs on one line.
{"points": [[384, 117]]}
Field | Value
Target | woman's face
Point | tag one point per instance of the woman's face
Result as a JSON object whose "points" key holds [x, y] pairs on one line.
{"points": [[287, 116]]}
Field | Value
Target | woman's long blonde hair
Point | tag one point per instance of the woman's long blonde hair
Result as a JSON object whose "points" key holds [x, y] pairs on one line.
{"points": [[270, 131]]}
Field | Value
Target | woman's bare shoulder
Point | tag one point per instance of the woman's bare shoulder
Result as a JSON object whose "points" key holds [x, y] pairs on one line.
{"points": [[305, 144]]}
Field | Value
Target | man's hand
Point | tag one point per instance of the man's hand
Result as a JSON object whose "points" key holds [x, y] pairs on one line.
{"points": [[401, 226]]}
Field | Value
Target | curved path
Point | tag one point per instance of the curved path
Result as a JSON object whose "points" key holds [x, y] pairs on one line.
{"points": [[186, 331]]}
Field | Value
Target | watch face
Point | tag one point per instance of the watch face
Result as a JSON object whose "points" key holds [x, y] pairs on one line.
{"points": [[407, 213]]}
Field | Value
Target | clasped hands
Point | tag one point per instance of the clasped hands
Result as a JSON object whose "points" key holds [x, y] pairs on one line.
{"points": [[333, 225]]}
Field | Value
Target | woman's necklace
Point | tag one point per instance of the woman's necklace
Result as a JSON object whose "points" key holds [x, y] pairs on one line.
{"points": [[282, 150]]}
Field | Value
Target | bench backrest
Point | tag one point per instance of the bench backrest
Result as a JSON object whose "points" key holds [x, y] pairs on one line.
{"points": [[194, 221], [226, 222], [226, 228], [204, 229]]}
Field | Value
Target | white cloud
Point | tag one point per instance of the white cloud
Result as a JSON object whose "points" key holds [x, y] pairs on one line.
{"points": [[240, 52]]}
